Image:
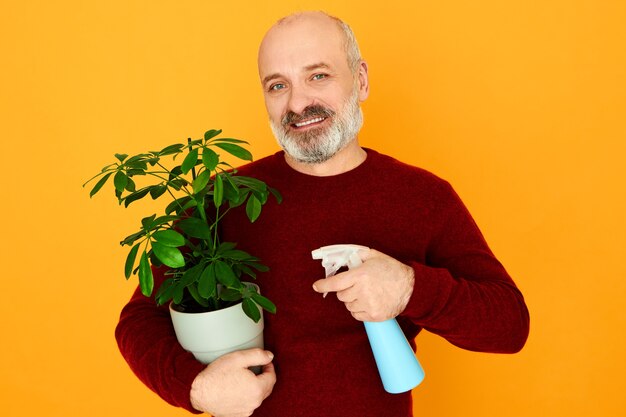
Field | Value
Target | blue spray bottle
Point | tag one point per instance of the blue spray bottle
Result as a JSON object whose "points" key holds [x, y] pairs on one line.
{"points": [[398, 367]]}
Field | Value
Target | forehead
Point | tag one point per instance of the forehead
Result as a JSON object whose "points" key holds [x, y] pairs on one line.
{"points": [[300, 43]]}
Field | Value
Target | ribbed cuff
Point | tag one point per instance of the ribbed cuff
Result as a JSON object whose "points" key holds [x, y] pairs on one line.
{"points": [[430, 292]]}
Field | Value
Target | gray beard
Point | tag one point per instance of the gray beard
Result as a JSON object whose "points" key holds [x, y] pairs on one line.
{"points": [[319, 145]]}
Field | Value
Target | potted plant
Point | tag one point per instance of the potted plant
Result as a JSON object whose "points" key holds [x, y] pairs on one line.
{"points": [[204, 277]]}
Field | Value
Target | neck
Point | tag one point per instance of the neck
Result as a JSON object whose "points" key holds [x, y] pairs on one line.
{"points": [[345, 160]]}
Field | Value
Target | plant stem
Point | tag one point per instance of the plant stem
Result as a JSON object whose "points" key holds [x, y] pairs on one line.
{"points": [[217, 216], [193, 169]]}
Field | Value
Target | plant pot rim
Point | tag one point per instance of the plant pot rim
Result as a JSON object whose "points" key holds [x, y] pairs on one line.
{"points": [[172, 307]]}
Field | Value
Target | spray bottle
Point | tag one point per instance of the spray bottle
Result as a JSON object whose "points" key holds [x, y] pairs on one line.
{"points": [[398, 367]]}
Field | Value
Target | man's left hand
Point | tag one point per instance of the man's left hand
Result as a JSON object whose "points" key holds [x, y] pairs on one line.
{"points": [[377, 290]]}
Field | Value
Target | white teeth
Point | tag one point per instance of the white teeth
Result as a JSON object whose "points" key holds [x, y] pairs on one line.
{"points": [[308, 122]]}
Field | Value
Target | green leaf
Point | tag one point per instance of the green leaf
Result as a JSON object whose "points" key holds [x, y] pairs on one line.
{"points": [[157, 191], [235, 150], [171, 257], [258, 266], [130, 186], [277, 195], [243, 195], [196, 296], [99, 184], [175, 172], [261, 196], [225, 274], [237, 255], [178, 293], [229, 294], [133, 172], [120, 180], [201, 181], [169, 238], [147, 222], [194, 227], [253, 208], [130, 260], [218, 190], [153, 161], [137, 195], [177, 205], [154, 261], [231, 194], [231, 140], [209, 134], [210, 159], [251, 309], [172, 149], [137, 165], [121, 156], [264, 302], [189, 205], [163, 219], [248, 271], [207, 282], [146, 280], [129, 240], [253, 183], [228, 167], [225, 246], [138, 158], [165, 292], [106, 168], [177, 183], [191, 275], [190, 161]]}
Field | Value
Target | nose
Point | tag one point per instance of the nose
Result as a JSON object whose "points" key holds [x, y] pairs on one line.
{"points": [[300, 98]]}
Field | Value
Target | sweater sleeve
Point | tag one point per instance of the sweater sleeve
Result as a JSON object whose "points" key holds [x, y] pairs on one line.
{"points": [[147, 341], [463, 293]]}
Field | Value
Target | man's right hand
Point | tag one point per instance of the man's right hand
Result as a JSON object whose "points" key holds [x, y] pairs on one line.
{"points": [[227, 388]]}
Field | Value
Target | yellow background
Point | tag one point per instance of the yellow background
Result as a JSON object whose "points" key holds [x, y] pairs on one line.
{"points": [[521, 105]]}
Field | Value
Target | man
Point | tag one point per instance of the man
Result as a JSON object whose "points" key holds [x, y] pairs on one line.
{"points": [[429, 265]]}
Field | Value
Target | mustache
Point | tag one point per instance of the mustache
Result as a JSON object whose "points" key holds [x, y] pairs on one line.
{"points": [[308, 113]]}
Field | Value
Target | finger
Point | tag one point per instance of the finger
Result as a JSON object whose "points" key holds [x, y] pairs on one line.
{"points": [[361, 316], [267, 379], [353, 307], [269, 369], [348, 295], [366, 254], [335, 283]]}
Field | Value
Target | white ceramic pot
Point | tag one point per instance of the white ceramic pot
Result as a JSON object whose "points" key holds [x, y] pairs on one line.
{"points": [[213, 334]]}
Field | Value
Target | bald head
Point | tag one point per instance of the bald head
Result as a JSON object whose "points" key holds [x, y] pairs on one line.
{"points": [[312, 22]]}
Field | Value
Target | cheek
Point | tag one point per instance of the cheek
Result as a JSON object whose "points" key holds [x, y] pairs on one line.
{"points": [[338, 99], [274, 109]]}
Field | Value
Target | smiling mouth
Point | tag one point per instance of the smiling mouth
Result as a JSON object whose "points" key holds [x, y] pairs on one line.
{"points": [[309, 122]]}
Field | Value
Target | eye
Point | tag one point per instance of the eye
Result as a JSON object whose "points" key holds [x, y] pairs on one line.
{"points": [[319, 76], [276, 87]]}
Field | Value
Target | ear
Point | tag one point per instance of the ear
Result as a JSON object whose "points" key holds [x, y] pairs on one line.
{"points": [[363, 81]]}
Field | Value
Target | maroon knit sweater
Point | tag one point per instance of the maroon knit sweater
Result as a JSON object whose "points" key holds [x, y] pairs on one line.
{"points": [[324, 364]]}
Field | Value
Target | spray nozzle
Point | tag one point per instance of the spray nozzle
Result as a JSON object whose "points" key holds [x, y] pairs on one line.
{"points": [[334, 257]]}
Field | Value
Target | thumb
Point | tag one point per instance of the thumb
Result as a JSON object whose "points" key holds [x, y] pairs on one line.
{"points": [[267, 378], [252, 357]]}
